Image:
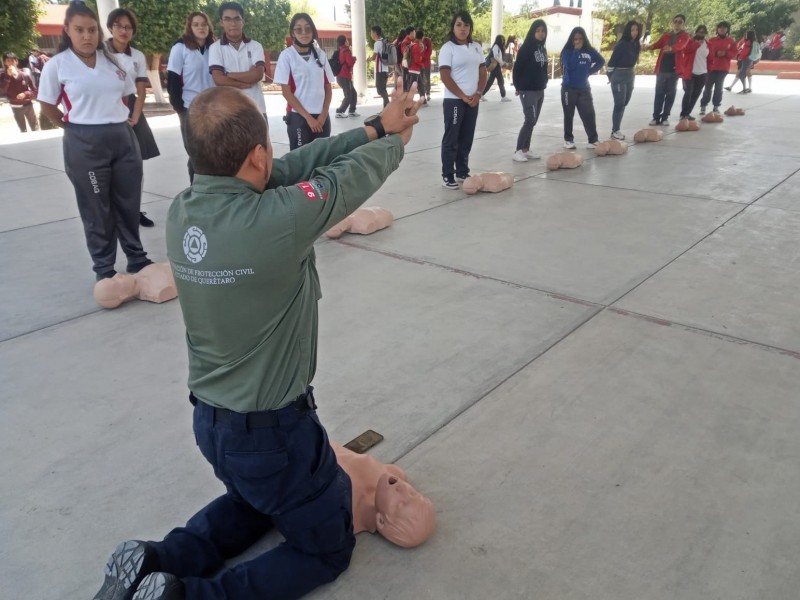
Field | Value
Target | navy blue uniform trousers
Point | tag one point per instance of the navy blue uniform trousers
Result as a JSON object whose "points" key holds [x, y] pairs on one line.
{"points": [[285, 477]]}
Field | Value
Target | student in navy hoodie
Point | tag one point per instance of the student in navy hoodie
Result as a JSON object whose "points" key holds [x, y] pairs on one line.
{"points": [[578, 61], [530, 79], [621, 73]]}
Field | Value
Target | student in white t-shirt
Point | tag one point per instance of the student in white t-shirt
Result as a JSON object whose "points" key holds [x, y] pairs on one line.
{"points": [[235, 60], [380, 56], [101, 154], [305, 78], [463, 74], [122, 24], [187, 69]]}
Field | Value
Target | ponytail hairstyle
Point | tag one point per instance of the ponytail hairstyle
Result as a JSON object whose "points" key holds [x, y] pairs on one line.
{"points": [[78, 8], [314, 35]]}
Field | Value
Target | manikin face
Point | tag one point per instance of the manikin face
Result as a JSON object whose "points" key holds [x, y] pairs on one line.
{"points": [[461, 31], [200, 28], [404, 516], [122, 31], [577, 41], [634, 32], [84, 33], [540, 33], [232, 24], [302, 31]]}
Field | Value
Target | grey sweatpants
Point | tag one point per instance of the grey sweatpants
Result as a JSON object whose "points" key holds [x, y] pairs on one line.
{"points": [[531, 108], [105, 168]]}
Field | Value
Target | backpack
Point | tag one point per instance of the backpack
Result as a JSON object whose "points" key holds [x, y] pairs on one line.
{"points": [[335, 63], [389, 54], [755, 52]]}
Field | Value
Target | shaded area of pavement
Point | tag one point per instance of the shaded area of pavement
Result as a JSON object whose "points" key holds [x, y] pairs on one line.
{"points": [[594, 375]]}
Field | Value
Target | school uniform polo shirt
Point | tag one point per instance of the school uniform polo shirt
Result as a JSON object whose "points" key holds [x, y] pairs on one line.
{"points": [[224, 56], [192, 66], [380, 48], [305, 77], [464, 61], [133, 61], [89, 96]]}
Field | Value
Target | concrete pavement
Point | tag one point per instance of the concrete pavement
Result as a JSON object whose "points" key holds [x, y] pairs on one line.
{"points": [[594, 375]]}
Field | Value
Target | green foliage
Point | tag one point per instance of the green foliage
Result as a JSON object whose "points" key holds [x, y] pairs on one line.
{"points": [[433, 16], [266, 21], [18, 26], [160, 23]]}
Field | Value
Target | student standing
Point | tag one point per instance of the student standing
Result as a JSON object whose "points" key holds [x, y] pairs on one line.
{"points": [[122, 25], [671, 44], [621, 74], [380, 56], [235, 60], [415, 55], [425, 74], [463, 74], [345, 78], [21, 91], [579, 60], [305, 76], [187, 69], [495, 69], [721, 50], [530, 80], [746, 55], [101, 154], [693, 69]]}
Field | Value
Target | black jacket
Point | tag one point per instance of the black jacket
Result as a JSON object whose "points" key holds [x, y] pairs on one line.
{"points": [[530, 68]]}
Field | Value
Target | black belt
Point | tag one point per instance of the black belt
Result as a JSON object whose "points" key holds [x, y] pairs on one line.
{"points": [[303, 404]]}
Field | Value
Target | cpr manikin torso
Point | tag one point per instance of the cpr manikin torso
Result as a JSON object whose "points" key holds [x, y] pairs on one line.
{"points": [[384, 501]]}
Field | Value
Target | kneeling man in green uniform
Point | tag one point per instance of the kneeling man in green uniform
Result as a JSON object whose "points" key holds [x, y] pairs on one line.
{"points": [[241, 245]]}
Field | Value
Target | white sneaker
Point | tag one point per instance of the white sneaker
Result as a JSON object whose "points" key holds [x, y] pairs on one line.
{"points": [[341, 115], [570, 145], [532, 155], [483, 99], [354, 114], [592, 145], [617, 135], [505, 99], [519, 156]]}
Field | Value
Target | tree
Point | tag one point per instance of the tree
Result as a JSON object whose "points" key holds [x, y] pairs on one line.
{"points": [[18, 26], [433, 16]]}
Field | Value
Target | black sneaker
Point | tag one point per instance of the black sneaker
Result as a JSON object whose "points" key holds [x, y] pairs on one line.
{"points": [[449, 182], [130, 562], [728, 88], [690, 117], [160, 586], [144, 221], [702, 110], [138, 266]]}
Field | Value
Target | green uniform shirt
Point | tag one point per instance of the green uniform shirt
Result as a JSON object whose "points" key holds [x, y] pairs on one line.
{"points": [[244, 267]]}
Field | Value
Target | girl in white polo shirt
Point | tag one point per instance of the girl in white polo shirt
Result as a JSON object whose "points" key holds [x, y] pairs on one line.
{"points": [[122, 24], [187, 69], [305, 78], [101, 154], [463, 74]]}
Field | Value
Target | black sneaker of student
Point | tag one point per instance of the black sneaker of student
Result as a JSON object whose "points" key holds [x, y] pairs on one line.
{"points": [[129, 564], [160, 586], [138, 266], [144, 221], [449, 182], [702, 110]]}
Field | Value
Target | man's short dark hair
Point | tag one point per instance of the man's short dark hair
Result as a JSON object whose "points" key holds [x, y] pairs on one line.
{"points": [[224, 126], [10, 55], [377, 29], [231, 6]]}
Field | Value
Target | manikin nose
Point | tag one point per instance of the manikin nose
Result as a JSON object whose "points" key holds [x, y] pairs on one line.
{"points": [[392, 480]]}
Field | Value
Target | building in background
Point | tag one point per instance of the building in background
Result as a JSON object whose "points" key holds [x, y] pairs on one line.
{"points": [[563, 19]]}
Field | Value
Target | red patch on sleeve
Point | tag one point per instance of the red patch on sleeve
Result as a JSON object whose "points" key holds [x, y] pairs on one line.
{"points": [[309, 190]]}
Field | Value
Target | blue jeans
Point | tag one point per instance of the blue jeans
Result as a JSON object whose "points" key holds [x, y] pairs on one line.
{"points": [[666, 88], [284, 477]]}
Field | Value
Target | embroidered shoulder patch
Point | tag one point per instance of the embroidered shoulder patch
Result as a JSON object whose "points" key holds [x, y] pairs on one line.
{"points": [[313, 190]]}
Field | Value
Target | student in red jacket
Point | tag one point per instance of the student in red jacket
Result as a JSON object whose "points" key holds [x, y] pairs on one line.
{"points": [[747, 52], [425, 76], [721, 50], [345, 79], [671, 45], [415, 53], [693, 68]]}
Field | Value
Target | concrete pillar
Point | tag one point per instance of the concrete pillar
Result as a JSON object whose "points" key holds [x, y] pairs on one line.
{"points": [[104, 7], [359, 27], [588, 24], [497, 20]]}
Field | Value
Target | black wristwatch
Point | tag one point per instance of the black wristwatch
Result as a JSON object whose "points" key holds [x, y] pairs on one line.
{"points": [[375, 122]]}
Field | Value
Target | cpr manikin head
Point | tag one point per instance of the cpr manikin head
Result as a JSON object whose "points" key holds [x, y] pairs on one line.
{"points": [[404, 516], [154, 283], [364, 220], [488, 182]]}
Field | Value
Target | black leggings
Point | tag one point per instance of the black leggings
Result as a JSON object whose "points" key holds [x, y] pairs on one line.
{"points": [[496, 74]]}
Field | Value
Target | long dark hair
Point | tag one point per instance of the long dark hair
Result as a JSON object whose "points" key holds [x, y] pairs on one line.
{"points": [[467, 19], [627, 34], [188, 35], [79, 9], [587, 45], [530, 38], [500, 42], [314, 35]]}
